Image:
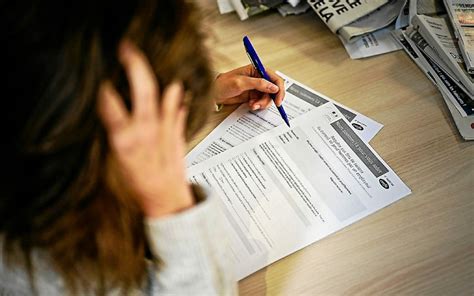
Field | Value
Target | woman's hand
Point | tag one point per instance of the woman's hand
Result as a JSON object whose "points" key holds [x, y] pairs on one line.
{"points": [[148, 143], [244, 84]]}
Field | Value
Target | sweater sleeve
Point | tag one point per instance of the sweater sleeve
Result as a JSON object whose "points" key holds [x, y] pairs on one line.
{"points": [[191, 251]]}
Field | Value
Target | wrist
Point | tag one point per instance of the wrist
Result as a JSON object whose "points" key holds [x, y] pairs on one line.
{"points": [[169, 203]]}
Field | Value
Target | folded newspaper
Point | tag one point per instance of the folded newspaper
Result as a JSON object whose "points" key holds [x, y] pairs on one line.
{"points": [[372, 44], [337, 14], [437, 32], [364, 26], [380, 18], [461, 14]]}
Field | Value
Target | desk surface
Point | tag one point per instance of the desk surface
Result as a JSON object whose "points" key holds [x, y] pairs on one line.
{"points": [[423, 244]]}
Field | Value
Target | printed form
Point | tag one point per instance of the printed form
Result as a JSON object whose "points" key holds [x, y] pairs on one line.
{"points": [[243, 124], [289, 187]]}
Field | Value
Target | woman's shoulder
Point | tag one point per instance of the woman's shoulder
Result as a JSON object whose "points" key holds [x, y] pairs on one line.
{"points": [[178, 240]]}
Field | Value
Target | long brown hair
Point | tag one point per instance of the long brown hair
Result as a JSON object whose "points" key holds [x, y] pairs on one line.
{"points": [[60, 192]]}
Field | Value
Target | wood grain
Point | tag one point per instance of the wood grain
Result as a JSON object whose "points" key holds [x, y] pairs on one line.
{"points": [[421, 245]]}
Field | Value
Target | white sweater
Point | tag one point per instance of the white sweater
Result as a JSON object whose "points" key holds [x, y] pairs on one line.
{"points": [[191, 245]]}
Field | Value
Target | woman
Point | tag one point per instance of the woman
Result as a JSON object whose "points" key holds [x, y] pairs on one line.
{"points": [[94, 197]]}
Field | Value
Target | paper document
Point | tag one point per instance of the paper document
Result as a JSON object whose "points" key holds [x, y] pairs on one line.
{"points": [[371, 44], [293, 3], [225, 6], [287, 188], [243, 124], [403, 19], [465, 125], [460, 98]]}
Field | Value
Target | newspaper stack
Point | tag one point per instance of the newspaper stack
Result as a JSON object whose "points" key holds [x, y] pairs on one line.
{"points": [[432, 43], [461, 14]]}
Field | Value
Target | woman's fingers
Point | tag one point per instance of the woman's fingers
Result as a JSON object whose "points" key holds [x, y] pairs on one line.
{"points": [[143, 85], [112, 111], [172, 98], [148, 144], [276, 86], [171, 103], [281, 86], [181, 121], [251, 83], [254, 96], [263, 88], [264, 101]]}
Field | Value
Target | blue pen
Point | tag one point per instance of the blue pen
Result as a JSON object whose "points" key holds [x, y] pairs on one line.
{"points": [[261, 70]]}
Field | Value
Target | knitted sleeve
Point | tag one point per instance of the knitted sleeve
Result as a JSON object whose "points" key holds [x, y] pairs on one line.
{"points": [[191, 251]]}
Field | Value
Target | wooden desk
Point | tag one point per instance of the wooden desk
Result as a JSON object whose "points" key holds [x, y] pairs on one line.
{"points": [[423, 244]]}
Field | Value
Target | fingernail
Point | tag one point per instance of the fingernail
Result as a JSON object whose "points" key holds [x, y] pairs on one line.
{"points": [[256, 107], [176, 86], [273, 87]]}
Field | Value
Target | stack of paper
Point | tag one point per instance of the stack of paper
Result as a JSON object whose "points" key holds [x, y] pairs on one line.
{"points": [[282, 188], [432, 43]]}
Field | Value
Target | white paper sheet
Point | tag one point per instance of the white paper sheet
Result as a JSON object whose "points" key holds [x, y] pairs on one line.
{"points": [[225, 6], [243, 124], [294, 2], [287, 188]]}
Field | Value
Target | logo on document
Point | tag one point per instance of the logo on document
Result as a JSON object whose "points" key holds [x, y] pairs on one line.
{"points": [[358, 126], [384, 183]]}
